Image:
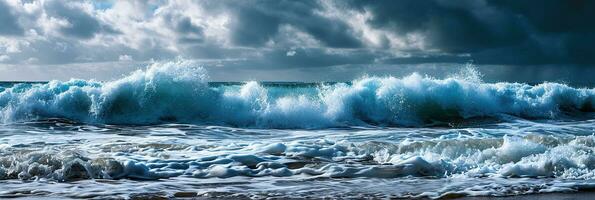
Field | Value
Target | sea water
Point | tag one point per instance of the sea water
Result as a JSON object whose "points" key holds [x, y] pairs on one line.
{"points": [[167, 131]]}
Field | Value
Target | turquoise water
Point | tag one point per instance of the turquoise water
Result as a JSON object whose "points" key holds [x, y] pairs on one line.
{"points": [[167, 130]]}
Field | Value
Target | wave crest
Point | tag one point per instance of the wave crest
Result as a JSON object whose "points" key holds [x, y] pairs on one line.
{"points": [[179, 92]]}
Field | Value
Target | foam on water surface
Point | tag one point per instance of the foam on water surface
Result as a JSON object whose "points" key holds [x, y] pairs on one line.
{"points": [[507, 159], [167, 132]]}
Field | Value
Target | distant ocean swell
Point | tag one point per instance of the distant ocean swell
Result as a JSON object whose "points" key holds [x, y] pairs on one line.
{"points": [[179, 92]]}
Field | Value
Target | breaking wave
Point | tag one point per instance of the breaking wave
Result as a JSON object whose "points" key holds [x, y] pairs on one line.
{"points": [[178, 91]]}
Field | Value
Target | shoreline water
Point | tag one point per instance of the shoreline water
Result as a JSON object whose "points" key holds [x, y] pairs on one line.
{"points": [[541, 196], [195, 196]]}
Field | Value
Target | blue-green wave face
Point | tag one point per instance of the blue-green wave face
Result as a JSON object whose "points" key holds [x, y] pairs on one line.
{"points": [[179, 92]]}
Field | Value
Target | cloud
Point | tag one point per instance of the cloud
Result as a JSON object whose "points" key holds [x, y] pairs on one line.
{"points": [[465, 26], [125, 58], [299, 35], [9, 21], [493, 32], [79, 22], [553, 16], [562, 29], [258, 22], [4, 58], [188, 32]]}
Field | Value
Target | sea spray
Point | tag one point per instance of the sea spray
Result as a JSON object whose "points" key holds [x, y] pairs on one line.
{"points": [[178, 91]]}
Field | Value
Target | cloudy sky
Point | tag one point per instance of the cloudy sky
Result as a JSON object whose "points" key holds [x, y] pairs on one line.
{"points": [[307, 40]]}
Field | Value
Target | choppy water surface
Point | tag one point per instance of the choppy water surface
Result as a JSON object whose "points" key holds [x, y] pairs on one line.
{"points": [[167, 132]]}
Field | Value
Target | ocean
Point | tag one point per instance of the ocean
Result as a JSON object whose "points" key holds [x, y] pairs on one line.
{"points": [[167, 132]]}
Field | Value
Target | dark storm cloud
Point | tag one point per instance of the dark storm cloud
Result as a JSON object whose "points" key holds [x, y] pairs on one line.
{"points": [[553, 16], [81, 24], [190, 33], [303, 35], [8, 21], [257, 22], [461, 26], [494, 32], [485, 32], [567, 26], [186, 31]]}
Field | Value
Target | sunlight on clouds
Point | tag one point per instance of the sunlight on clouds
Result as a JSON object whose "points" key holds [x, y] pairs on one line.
{"points": [[291, 34]]}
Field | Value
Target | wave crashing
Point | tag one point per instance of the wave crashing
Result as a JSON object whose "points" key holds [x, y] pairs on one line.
{"points": [[179, 92]]}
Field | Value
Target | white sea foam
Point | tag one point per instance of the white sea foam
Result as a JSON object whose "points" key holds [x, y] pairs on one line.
{"points": [[178, 92], [532, 156], [70, 152], [167, 123]]}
